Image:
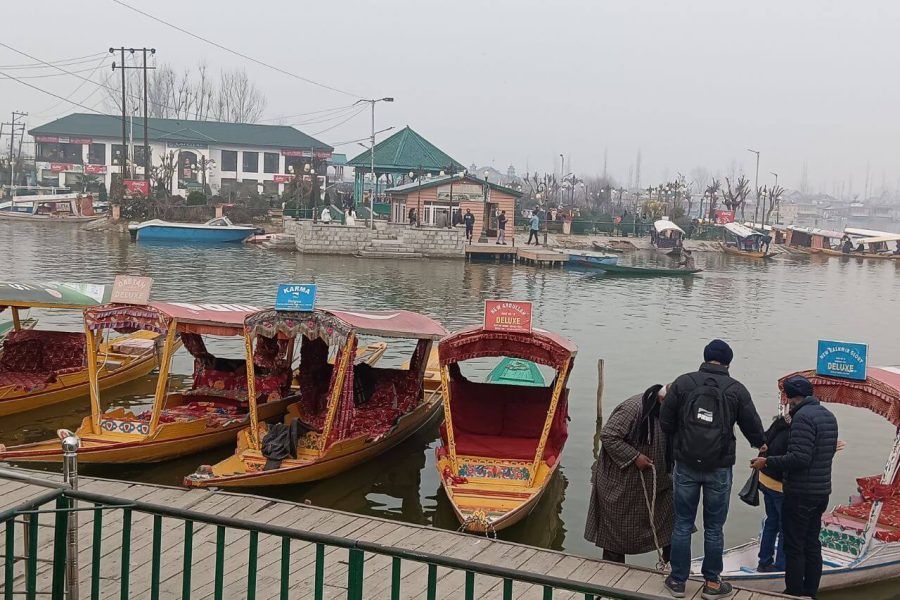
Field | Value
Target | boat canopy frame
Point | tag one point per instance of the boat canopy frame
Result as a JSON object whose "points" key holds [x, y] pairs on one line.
{"points": [[539, 346]]}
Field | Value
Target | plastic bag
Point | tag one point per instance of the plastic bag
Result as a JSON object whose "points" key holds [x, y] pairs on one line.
{"points": [[750, 492]]}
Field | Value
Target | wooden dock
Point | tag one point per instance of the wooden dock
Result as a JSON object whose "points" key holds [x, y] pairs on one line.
{"points": [[491, 252], [377, 575], [542, 257]]}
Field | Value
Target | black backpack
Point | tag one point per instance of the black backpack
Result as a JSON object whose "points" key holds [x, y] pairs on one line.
{"points": [[706, 425]]}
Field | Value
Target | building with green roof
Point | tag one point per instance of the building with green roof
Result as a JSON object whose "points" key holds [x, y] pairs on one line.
{"points": [[227, 156]]}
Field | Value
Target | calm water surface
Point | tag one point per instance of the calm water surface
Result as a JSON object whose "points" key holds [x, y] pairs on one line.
{"points": [[647, 331]]}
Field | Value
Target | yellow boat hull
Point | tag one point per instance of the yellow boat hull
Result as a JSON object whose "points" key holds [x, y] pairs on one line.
{"points": [[75, 385], [485, 505], [735, 252], [244, 468], [830, 252]]}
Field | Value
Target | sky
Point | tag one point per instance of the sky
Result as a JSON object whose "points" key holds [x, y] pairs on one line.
{"points": [[690, 83]]}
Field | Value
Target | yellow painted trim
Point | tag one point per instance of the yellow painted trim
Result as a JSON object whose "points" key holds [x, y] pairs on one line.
{"points": [[162, 383], [93, 383], [17, 323], [554, 400], [336, 392], [251, 392], [448, 417]]}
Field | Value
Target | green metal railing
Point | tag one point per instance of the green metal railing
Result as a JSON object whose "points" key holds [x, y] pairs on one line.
{"points": [[357, 553]]}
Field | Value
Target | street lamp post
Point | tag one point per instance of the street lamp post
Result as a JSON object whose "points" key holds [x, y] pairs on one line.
{"points": [[485, 212], [372, 102], [756, 184]]}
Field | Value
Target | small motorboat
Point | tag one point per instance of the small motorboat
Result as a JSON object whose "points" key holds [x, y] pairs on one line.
{"points": [[648, 271], [215, 231], [515, 371], [588, 258]]}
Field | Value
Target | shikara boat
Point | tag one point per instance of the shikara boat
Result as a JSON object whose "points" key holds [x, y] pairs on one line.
{"points": [[810, 240], [9, 326], [345, 414], [667, 238], [50, 208], [860, 540], [501, 443], [743, 241], [41, 367], [588, 258], [872, 246], [648, 271], [205, 415], [515, 371], [215, 231]]}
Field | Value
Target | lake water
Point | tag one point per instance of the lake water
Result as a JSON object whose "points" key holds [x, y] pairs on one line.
{"points": [[647, 331]]}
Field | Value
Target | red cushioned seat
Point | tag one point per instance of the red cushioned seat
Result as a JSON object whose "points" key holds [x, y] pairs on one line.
{"points": [[26, 381], [496, 446]]}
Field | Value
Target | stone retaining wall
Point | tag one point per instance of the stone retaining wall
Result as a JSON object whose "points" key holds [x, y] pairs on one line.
{"points": [[339, 239], [328, 239], [431, 241]]}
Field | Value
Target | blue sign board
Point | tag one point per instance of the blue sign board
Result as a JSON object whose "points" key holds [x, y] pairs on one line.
{"points": [[296, 296], [842, 359]]}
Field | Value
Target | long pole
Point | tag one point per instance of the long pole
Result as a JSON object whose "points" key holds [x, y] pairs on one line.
{"points": [[146, 141], [372, 167], [756, 185], [124, 141]]}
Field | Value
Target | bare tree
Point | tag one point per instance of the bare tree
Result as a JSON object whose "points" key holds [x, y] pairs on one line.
{"points": [[712, 195], [162, 174], [735, 195], [238, 100], [774, 200]]}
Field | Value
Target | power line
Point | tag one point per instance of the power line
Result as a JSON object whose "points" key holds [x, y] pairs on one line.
{"points": [[313, 112], [235, 52], [357, 113], [44, 76], [80, 85], [61, 62]]}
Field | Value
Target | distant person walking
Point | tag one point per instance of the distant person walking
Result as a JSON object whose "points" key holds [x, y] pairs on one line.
{"points": [[326, 215], [469, 222], [535, 227], [807, 484], [501, 228], [699, 414], [634, 454]]}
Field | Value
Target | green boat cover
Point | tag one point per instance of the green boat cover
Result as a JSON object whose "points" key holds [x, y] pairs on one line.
{"points": [[514, 371]]}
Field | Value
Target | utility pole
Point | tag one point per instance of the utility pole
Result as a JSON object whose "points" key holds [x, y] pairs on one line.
{"points": [[15, 125], [756, 184], [372, 103], [122, 67]]}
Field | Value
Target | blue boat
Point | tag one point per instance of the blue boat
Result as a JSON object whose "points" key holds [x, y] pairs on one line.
{"points": [[215, 231], [589, 258]]}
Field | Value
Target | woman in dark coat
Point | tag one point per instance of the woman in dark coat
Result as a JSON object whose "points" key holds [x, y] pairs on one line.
{"points": [[633, 446]]}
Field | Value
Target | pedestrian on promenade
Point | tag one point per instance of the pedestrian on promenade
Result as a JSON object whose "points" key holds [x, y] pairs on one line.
{"points": [[326, 216], [700, 412], [412, 216], [807, 484], [501, 228], [469, 222], [351, 217], [771, 540], [634, 461], [535, 223]]}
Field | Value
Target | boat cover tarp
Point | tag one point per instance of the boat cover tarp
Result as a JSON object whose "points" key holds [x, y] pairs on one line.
{"points": [[199, 318], [666, 225], [52, 294], [880, 392], [741, 231], [542, 347]]}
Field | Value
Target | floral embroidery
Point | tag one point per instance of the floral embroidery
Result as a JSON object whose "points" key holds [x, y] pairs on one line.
{"points": [[494, 471]]}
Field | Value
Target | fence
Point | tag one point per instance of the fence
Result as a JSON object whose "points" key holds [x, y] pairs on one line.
{"points": [[59, 504]]}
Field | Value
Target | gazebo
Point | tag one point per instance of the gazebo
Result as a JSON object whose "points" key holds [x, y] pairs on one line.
{"points": [[395, 157]]}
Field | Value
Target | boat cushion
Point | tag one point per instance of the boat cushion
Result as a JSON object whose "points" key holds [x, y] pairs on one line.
{"points": [[505, 410], [31, 351], [28, 382], [889, 517]]}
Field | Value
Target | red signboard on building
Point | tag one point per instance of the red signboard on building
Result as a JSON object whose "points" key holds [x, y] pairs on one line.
{"points": [[62, 167], [137, 187], [322, 154], [95, 169], [56, 139], [724, 216], [507, 315], [281, 178]]}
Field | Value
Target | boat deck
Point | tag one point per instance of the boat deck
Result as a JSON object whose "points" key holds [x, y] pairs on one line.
{"points": [[491, 252], [269, 566], [541, 257]]}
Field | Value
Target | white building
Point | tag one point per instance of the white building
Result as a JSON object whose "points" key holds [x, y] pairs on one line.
{"points": [[249, 157]]}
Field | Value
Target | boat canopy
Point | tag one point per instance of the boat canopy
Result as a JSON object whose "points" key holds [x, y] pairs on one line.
{"points": [[52, 294], [854, 231], [880, 392], [892, 237], [742, 231], [335, 325], [543, 347], [198, 318], [820, 232], [666, 225]]}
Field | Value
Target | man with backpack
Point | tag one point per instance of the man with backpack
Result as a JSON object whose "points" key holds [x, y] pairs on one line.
{"points": [[699, 415]]}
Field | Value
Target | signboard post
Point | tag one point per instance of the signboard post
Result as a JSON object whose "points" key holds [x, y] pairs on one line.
{"points": [[842, 359], [296, 296], [130, 289], [507, 315]]}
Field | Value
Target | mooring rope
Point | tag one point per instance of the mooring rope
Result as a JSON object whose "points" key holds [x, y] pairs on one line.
{"points": [[661, 564]]}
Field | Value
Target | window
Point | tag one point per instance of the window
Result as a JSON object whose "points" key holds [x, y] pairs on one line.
{"points": [[250, 163], [294, 161], [117, 154], [139, 156], [270, 162], [97, 154], [229, 160], [49, 178], [48, 152], [72, 153]]}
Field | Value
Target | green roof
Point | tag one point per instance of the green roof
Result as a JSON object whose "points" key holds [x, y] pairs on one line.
{"points": [[445, 179], [404, 151], [177, 130]]}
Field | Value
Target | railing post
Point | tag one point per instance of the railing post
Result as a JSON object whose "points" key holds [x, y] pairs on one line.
{"points": [[70, 445]]}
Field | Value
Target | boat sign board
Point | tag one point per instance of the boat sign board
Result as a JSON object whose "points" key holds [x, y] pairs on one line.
{"points": [[842, 359], [507, 315], [129, 289], [296, 296]]}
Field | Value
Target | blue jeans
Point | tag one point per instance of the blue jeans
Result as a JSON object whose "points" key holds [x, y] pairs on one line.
{"points": [[716, 487], [770, 552]]}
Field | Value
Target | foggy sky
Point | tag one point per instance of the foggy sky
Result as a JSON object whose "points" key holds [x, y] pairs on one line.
{"points": [[518, 82]]}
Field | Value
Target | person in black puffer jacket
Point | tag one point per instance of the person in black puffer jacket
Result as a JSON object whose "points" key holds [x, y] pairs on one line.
{"points": [[807, 484]]}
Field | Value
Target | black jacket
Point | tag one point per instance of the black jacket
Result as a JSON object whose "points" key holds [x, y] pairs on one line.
{"points": [[811, 448], [777, 442], [469, 219], [741, 410]]}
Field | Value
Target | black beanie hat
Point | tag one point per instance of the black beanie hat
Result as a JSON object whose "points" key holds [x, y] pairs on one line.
{"points": [[798, 386], [718, 351]]}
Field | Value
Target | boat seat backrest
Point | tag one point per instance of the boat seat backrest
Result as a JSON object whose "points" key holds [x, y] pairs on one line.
{"points": [[499, 410], [30, 351]]}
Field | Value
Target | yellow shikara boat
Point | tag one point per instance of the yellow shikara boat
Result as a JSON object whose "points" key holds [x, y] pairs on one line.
{"points": [[501, 443], [740, 240], [346, 414], [39, 367], [871, 246], [182, 422]]}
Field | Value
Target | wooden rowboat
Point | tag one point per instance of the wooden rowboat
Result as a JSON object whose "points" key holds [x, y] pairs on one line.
{"points": [[871, 255], [648, 271], [500, 443], [40, 367], [343, 415], [206, 415], [745, 253]]}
